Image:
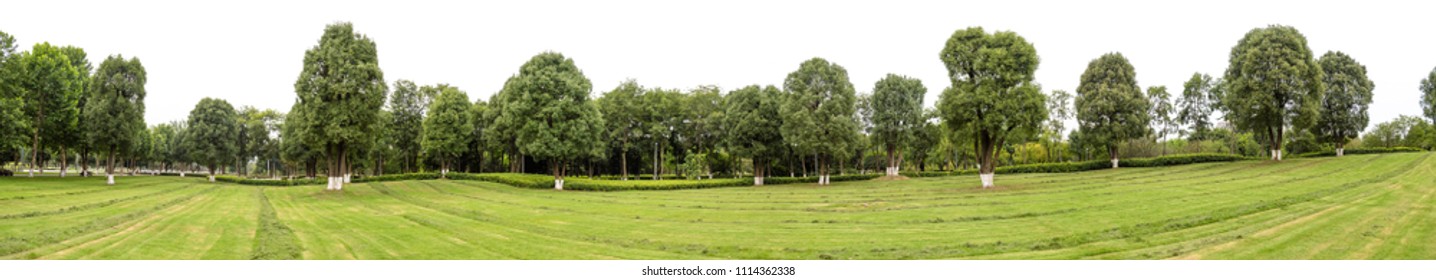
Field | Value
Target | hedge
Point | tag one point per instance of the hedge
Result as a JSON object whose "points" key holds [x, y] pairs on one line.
{"points": [[264, 182], [1065, 167], [640, 177], [1358, 151], [814, 179]]}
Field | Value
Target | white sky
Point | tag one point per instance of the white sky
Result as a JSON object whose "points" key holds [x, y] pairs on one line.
{"points": [[250, 52]]}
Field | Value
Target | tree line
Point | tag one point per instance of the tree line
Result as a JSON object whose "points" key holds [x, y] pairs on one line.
{"points": [[1276, 96]]}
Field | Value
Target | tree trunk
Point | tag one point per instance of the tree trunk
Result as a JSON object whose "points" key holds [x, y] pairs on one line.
{"points": [[1112, 150], [110, 167], [757, 172], [623, 162], [35, 148], [64, 162]]}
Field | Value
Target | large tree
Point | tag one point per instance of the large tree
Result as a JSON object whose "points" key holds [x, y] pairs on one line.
{"points": [[116, 109], [818, 113], [1196, 105], [1344, 105], [1428, 95], [1273, 82], [447, 128], [1111, 108], [751, 116], [51, 86], [623, 110], [408, 105], [896, 112], [561, 126], [210, 133], [342, 89], [13, 123], [992, 97]]}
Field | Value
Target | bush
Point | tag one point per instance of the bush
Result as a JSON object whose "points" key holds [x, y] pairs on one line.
{"points": [[532, 181], [397, 177], [640, 177], [6, 173], [1359, 151], [612, 185], [814, 179], [265, 182], [1065, 167]]}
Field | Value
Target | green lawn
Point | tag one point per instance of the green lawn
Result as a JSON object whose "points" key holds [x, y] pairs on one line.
{"points": [[1355, 207]]}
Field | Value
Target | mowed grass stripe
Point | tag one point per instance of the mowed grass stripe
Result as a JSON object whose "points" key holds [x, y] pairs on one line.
{"points": [[56, 235]]}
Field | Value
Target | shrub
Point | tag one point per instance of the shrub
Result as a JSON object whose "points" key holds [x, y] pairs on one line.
{"points": [[533, 181], [6, 173], [814, 179], [1064, 167], [397, 177], [266, 182], [612, 185]]}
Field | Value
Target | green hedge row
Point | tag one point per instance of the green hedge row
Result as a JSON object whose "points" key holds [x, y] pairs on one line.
{"points": [[640, 177], [616, 185], [814, 179], [1358, 151], [1065, 167], [264, 182], [396, 177], [532, 181]]}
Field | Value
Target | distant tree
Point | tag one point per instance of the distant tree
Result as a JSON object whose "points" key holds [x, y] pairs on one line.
{"points": [[662, 119], [478, 138], [925, 139], [701, 129], [1196, 105], [342, 89], [1397, 133], [162, 142], [561, 125], [447, 128], [753, 122], [623, 114], [210, 134], [1274, 83], [818, 113], [504, 124], [51, 87], [992, 97], [1163, 123], [115, 110], [1059, 107], [1111, 108], [1344, 105], [896, 113], [295, 146], [408, 105], [1428, 96]]}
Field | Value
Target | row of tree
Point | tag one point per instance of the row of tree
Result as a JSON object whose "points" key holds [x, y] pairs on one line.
{"points": [[815, 121]]}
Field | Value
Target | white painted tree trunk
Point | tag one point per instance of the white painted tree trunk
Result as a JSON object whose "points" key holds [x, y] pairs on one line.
{"points": [[346, 179], [329, 183], [1340, 151], [1114, 163], [1276, 155], [558, 184], [62, 172], [211, 178], [986, 180], [181, 174], [757, 181], [110, 179]]}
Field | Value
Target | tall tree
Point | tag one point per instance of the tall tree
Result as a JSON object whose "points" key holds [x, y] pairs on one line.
{"points": [[115, 109], [478, 136], [296, 144], [753, 122], [702, 114], [1196, 105], [210, 133], [662, 118], [992, 97], [1059, 107], [13, 123], [1163, 123], [896, 112], [622, 110], [562, 126], [1274, 82], [818, 113], [1111, 108], [1428, 95], [51, 87], [447, 128], [342, 90], [1345, 102], [409, 106]]}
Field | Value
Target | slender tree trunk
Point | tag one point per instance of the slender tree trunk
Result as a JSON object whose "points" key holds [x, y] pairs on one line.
{"points": [[1112, 150], [110, 167], [35, 148], [623, 164]]}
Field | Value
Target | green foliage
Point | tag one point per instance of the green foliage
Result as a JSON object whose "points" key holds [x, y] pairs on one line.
{"points": [[992, 97], [51, 83], [1348, 95], [754, 125], [814, 179], [1273, 82], [818, 113], [210, 133], [1198, 101], [115, 108], [622, 115], [896, 110], [1110, 106], [1428, 95], [1397, 133], [341, 90], [1078, 166], [14, 125], [559, 124], [447, 127], [1361, 151], [409, 106]]}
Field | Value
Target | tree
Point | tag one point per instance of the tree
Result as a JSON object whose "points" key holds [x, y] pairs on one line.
{"points": [[1274, 82], [1163, 123], [1059, 107], [51, 87], [1344, 104], [162, 140], [115, 109], [1196, 105], [818, 113], [992, 97], [341, 89], [210, 134], [753, 122], [296, 144], [662, 118], [1428, 96], [13, 123], [622, 112], [896, 112], [702, 113], [561, 125], [447, 128], [408, 105], [1111, 109], [478, 139]]}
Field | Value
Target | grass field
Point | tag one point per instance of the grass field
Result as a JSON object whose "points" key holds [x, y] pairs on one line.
{"points": [[1355, 207]]}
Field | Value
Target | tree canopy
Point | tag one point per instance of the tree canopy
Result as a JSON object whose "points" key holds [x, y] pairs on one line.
{"points": [[754, 126], [115, 109], [210, 134], [341, 89], [559, 124], [1273, 82], [1111, 108], [818, 113], [1345, 102], [896, 112], [992, 96], [447, 127]]}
